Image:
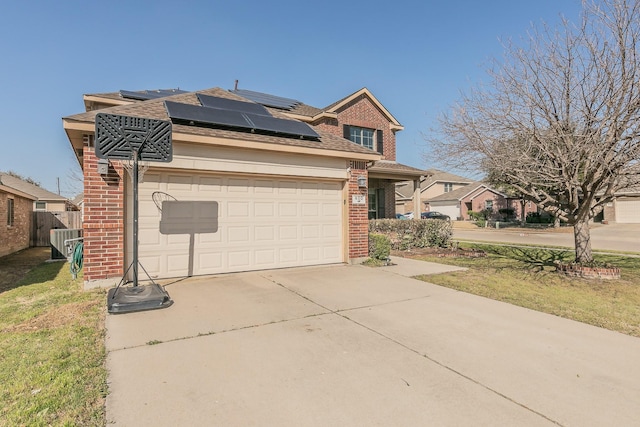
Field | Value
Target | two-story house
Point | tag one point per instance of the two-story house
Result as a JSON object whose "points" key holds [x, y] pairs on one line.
{"points": [[293, 185], [434, 184]]}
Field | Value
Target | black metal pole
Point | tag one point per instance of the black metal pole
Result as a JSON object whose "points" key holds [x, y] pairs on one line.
{"points": [[135, 217]]}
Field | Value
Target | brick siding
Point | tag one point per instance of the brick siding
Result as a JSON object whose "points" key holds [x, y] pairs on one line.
{"points": [[358, 214], [103, 220], [16, 237]]}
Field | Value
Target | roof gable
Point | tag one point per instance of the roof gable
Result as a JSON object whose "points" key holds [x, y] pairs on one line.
{"points": [[336, 106], [473, 190]]}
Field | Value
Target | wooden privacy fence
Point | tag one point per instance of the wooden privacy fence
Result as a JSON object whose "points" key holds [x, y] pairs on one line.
{"points": [[44, 222]]}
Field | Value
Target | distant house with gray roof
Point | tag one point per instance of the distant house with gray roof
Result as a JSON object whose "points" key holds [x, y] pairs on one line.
{"points": [[44, 200]]}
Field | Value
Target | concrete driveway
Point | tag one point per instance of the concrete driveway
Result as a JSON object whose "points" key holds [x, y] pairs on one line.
{"points": [[356, 346]]}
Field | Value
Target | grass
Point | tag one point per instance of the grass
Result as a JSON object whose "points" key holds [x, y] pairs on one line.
{"points": [[52, 355], [526, 277]]}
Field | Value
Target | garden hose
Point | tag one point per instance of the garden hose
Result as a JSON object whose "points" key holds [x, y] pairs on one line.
{"points": [[76, 259]]}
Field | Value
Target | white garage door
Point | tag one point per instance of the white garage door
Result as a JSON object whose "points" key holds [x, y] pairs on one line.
{"points": [[452, 210], [628, 211], [263, 223]]}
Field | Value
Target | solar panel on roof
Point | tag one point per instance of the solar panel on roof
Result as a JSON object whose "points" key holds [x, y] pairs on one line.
{"points": [[232, 104], [284, 126], [146, 95], [194, 114], [268, 100], [204, 115]]}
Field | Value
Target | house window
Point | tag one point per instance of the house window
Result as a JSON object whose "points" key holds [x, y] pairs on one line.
{"points": [[362, 136], [369, 138], [41, 206], [488, 205], [10, 212], [448, 186]]}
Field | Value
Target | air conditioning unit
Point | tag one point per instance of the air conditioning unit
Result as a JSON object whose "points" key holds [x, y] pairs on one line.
{"points": [[58, 236]]}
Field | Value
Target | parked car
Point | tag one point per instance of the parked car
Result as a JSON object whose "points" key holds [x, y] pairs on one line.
{"points": [[400, 216], [434, 215], [408, 215]]}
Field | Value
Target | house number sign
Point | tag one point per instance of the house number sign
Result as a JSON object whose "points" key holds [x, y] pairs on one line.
{"points": [[358, 199]]}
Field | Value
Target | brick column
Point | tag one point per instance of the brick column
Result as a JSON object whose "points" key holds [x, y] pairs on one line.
{"points": [[103, 224], [358, 214]]}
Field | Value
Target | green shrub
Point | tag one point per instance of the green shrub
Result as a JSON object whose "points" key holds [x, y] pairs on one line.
{"points": [[379, 246], [537, 218], [478, 216], [507, 212], [414, 233]]}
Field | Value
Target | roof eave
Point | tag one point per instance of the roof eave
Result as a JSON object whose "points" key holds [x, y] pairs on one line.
{"points": [[17, 192], [76, 129]]}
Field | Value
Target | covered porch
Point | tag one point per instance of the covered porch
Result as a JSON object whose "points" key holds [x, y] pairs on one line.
{"points": [[383, 176]]}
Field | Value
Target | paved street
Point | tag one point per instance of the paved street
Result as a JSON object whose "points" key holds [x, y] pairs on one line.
{"points": [[616, 237]]}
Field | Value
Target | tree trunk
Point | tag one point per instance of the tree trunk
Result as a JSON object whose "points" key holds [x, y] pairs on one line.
{"points": [[582, 237]]}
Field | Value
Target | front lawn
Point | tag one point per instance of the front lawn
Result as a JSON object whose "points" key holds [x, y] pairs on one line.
{"points": [[527, 277], [52, 356]]}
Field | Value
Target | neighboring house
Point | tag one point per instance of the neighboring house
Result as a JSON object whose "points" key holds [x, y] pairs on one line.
{"points": [[45, 201], [47, 211], [16, 218], [435, 183], [78, 201], [625, 209], [284, 198], [478, 196]]}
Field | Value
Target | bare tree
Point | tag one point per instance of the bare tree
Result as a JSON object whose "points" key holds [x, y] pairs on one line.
{"points": [[559, 120]]}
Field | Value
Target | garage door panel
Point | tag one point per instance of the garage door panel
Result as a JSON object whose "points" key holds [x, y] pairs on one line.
{"points": [[264, 186], [265, 234], [310, 231], [239, 259], [330, 231], [149, 237], [209, 262], [289, 209], [262, 223], [288, 232], [179, 183], [238, 185], [286, 187], [210, 185], [263, 209], [628, 211]]}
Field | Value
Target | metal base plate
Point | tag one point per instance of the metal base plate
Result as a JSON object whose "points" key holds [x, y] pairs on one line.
{"points": [[137, 298]]}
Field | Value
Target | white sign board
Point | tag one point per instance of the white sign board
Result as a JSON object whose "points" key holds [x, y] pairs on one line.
{"points": [[358, 199]]}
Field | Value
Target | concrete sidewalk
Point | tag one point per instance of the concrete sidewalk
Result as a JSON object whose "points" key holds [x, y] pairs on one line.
{"points": [[358, 346]]}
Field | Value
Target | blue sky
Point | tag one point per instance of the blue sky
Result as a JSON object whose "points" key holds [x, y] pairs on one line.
{"points": [[415, 56]]}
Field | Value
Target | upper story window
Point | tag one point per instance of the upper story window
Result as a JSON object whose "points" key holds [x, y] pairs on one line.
{"points": [[369, 138], [361, 136], [41, 206], [448, 186], [10, 212]]}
